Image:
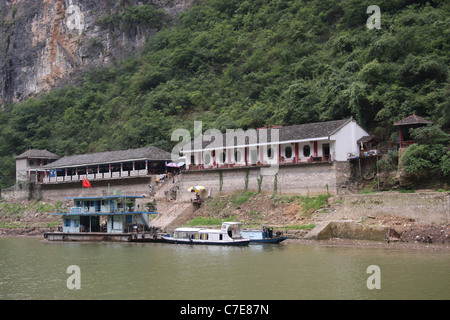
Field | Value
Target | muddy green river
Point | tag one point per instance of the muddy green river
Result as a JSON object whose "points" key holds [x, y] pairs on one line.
{"points": [[38, 269]]}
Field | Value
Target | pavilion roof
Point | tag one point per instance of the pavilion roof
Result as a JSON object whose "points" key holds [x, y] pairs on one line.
{"points": [[37, 154], [412, 119]]}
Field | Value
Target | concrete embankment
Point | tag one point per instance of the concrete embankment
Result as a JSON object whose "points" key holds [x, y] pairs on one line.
{"points": [[385, 216]]}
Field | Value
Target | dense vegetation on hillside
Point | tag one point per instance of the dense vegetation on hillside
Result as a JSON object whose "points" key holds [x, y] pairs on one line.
{"points": [[242, 64]]}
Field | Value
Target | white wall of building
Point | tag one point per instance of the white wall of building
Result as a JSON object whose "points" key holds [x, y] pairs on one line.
{"points": [[22, 170], [346, 140]]}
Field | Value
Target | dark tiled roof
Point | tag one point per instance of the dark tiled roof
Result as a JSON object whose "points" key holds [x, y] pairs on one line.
{"points": [[367, 139], [149, 153], [290, 133], [413, 119], [311, 130], [37, 154]]}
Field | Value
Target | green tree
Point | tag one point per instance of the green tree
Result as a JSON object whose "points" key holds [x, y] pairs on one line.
{"points": [[430, 154]]}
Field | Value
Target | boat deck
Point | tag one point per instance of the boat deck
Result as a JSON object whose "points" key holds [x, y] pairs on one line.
{"points": [[103, 236]]}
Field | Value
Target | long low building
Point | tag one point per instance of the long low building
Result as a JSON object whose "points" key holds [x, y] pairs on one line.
{"points": [[328, 141], [104, 165], [51, 176], [310, 158]]}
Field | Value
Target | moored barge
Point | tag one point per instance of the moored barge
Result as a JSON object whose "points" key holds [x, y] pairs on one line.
{"points": [[106, 218]]}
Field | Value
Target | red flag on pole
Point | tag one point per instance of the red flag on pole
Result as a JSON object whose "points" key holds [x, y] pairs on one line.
{"points": [[86, 183]]}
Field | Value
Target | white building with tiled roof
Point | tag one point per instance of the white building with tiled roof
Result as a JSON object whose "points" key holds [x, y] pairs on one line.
{"points": [[312, 142]]}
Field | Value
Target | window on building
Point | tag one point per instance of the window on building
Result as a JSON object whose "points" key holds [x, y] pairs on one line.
{"points": [[207, 158], [269, 152], [306, 150], [223, 157], [288, 152]]}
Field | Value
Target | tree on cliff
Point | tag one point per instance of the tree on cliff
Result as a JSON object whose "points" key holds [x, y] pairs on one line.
{"points": [[247, 64]]}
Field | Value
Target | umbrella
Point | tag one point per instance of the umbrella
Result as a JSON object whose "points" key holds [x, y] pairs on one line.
{"points": [[196, 189], [172, 165]]}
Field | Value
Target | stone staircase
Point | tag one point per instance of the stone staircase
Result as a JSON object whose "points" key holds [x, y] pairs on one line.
{"points": [[168, 212]]}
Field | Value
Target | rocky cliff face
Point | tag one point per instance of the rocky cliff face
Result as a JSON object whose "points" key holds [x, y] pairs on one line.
{"points": [[44, 42]]}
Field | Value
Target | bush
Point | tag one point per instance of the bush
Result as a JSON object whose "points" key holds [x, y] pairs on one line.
{"points": [[430, 154], [242, 198], [311, 204]]}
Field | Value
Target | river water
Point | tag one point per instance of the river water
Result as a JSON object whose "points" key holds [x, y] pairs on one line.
{"points": [[37, 269]]}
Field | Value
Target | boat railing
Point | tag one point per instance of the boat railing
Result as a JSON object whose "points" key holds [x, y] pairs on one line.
{"points": [[76, 210], [95, 209]]}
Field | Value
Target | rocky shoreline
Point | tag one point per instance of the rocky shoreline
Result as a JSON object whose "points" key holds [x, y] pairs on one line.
{"points": [[38, 233], [425, 228]]}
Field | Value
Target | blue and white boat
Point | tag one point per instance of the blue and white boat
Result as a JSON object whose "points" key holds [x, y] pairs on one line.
{"points": [[267, 234], [105, 218], [229, 234]]}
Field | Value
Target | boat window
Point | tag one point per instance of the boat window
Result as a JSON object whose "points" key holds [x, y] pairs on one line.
{"points": [[220, 237]]}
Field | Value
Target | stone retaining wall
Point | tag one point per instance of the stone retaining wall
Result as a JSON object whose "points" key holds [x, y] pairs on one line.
{"points": [[423, 207], [136, 186], [353, 230], [310, 178]]}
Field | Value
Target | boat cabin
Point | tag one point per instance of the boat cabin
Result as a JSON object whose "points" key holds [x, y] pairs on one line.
{"points": [[233, 229], [230, 231], [268, 234], [110, 214]]}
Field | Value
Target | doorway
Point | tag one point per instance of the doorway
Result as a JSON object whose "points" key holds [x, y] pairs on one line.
{"points": [[326, 151], [90, 223]]}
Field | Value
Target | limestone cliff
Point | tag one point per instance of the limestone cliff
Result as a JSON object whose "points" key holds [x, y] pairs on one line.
{"points": [[43, 43]]}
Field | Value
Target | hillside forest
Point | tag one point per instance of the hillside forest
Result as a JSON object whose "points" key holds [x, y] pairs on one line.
{"points": [[247, 64]]}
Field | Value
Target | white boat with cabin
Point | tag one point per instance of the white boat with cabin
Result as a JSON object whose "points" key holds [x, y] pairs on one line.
{"points": [[228, 234]]}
